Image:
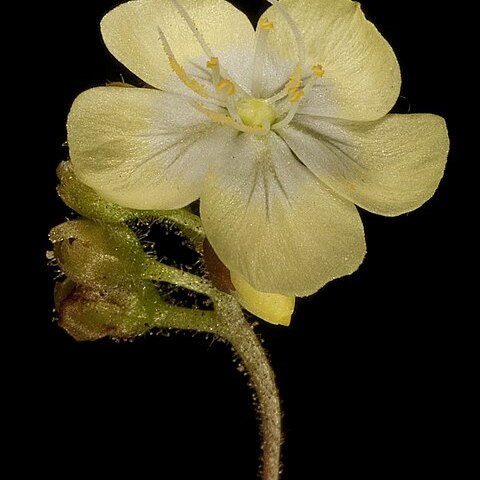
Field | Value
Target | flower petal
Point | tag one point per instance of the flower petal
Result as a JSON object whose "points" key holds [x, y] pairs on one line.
{"points": [[270, 221], [142, 148], [390, 166], [362, 76], [271, 307], [130, 32]]}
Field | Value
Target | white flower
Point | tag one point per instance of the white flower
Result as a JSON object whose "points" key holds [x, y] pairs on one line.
{"points": [[278, 131]]}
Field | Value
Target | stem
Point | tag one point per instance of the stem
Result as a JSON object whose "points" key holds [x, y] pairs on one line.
{"points": [[180, 318], [227, 321], [239, 333], [188, 223], [160, 272]]}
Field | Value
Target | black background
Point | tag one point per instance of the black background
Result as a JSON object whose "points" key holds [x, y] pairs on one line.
{"points": [[366, 370]]}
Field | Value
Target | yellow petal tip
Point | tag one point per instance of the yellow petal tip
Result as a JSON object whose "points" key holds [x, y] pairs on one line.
{"points": [[270, 307]]}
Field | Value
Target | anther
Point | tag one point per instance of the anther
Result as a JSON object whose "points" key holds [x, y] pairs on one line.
{"points": [[227, 86], [293, 84], [295, 80], [212, 63], [297, 95], [318, 71], [265, 24]]}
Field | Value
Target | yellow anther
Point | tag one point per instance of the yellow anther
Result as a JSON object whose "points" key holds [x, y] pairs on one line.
{"points": [[292, 90], [318, 71], [226, 85], [297, 95], [265, 24], [212, 63], [295, 80]]}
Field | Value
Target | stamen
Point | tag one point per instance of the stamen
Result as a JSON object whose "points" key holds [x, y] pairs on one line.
{"points": [[191, 24], [223, 119], [317, 72], [214, 65], [293, 84], [278, 96], [179, 70], [295, 80], [295, 30], [266, 26], [288, 118], [227, 86], [217, 74]]}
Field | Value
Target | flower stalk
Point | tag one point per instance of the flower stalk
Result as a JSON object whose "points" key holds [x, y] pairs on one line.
{"points": [[241, 336], [165, 273], [228, 322]]}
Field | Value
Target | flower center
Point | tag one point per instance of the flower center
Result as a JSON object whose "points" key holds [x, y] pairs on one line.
{"points": [[255, 112], [227, 103]]}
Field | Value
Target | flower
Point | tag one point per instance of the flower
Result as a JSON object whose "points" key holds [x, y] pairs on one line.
{"points": [[279, 131]]}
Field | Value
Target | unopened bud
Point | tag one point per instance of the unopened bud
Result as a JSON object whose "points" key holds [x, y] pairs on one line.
{"points": [[115, 311], [92, 253]]}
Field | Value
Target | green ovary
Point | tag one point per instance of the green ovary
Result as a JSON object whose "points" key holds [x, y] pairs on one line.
{"points": [[256, 112]]}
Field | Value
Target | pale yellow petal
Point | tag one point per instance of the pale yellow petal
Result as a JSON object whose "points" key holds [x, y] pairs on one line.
{"points": [[142, 148], [271, 307], [390, 166], [130, 32], [361, 78], [270, 220]]}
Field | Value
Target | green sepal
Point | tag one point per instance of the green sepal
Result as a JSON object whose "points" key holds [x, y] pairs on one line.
{"points": [[99, 254], [90, 313]]}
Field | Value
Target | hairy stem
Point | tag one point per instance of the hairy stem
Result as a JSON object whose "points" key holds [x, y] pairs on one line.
{"points": [[239, 333], [227, 321], [160, 272], [187, 222], [180, 318]]}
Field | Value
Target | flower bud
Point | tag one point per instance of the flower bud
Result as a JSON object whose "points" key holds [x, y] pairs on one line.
{"points": [[116, 311], [98, 254]]}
